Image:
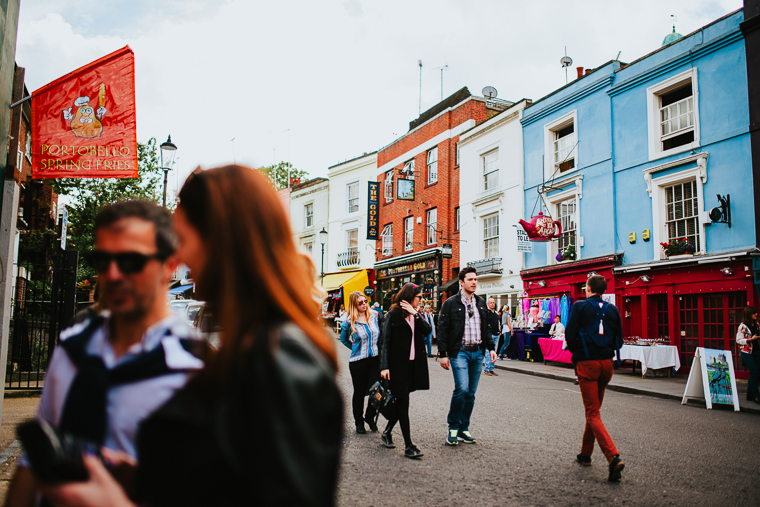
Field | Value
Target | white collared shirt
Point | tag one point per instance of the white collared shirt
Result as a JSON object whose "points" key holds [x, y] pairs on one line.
{"points": [[128, 404]]}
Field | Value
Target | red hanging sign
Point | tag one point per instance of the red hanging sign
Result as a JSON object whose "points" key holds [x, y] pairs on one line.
{"points": [[542, 228], [83, 124]]}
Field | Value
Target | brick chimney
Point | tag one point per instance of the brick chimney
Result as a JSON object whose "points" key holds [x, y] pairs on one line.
{"points": [[580, 72], [589, 71]]}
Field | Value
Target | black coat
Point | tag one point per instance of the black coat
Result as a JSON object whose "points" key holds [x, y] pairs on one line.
{"points": [[395, 346], [451, 326], [582, 315]]}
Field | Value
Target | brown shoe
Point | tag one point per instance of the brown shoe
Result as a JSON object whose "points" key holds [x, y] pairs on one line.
{"points": [[616, 468], [493, 372]]}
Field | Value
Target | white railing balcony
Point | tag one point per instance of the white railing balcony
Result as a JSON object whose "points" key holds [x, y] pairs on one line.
{"points": [[487, 266], [349, 258]]}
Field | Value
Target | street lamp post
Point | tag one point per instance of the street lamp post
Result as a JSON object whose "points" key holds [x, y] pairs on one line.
{"points": [[168, 150], [323, 240]]}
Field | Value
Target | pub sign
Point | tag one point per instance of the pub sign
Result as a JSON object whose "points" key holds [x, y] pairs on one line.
{"points": [[373, 202]]}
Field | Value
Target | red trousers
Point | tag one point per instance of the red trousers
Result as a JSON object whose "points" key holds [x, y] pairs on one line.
{"points": [[593, 377]]}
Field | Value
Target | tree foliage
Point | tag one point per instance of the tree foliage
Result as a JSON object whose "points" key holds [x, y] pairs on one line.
{"points": [[278, 174], [88, 195]]}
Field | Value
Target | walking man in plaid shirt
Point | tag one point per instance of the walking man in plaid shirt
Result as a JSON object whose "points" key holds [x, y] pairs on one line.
{"points": [[463, 338]]}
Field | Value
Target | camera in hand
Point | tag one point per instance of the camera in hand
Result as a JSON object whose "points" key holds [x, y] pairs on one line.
{"points": [[53, 458]]}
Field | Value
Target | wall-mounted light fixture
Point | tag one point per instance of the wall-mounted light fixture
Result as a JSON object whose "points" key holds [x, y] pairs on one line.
{"points": [[511, 286], [727, 271], [541, 283], [591, 273], [645, 278]]}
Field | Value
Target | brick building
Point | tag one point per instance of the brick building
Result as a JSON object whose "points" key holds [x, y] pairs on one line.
{"points": [[419, 181]]}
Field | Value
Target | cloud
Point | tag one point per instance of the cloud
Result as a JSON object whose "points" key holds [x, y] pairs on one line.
{"points": [[353, 7]]}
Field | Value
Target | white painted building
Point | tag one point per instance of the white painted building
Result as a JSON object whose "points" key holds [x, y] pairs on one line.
{"points": [[309, 208], [491, 202], [347, 233]]}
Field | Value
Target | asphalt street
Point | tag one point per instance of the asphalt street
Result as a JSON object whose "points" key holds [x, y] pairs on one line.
{"points": [[528, 432]]}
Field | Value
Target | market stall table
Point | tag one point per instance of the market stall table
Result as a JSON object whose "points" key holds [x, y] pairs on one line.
{"points": [[652, 356], [552, 351]]}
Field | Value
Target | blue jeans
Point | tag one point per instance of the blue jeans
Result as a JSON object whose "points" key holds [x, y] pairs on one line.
{"points": [[749, 360], [466, 370], [507, 339], [429, 343], [487, 364]]}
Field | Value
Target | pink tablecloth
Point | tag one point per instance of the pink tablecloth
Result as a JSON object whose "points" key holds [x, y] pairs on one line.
{"points": [[552, 351]]}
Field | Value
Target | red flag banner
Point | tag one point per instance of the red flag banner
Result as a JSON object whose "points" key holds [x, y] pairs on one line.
{"points": [[83, 124]]}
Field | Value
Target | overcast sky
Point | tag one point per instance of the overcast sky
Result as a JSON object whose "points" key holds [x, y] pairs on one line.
{"points": [[319, 82]]}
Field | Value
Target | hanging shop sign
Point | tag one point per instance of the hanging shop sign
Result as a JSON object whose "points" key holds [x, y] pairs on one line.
{"points": [[405, 189], [369, 291], [83, 124], [447, 251], [409, 268], [523, 241], [542, 228], [373, 202]]}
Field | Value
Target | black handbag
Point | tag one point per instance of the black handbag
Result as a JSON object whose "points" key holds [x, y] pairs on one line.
{"points": [[381, 398]]}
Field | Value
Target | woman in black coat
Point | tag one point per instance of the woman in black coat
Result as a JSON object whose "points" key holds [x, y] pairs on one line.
{"points": [[403, 360]]}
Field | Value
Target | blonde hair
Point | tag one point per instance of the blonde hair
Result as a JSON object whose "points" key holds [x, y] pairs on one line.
{"points": [[353, 309]]}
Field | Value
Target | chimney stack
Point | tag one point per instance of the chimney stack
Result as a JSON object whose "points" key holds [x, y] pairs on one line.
{"points": [[589, 71], [580, 72]]}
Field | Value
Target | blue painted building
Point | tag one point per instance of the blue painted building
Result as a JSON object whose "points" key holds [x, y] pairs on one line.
{"points": [[633, 155]]}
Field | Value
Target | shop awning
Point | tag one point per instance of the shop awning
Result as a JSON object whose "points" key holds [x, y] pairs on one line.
{"points": [[179, 289], [334, 281], [452, 284], [357, 283]]}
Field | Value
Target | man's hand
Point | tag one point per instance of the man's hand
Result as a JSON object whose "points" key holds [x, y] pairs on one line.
{"points": [[386, 374], [445, 363], [493, 356]]}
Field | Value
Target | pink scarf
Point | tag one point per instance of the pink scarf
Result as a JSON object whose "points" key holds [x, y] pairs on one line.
{"points": [[410, 321]]}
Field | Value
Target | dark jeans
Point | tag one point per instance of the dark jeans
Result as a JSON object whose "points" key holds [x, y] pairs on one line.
{"points": [[507, 337], [364, 373], [466, 370], [749, 360]]}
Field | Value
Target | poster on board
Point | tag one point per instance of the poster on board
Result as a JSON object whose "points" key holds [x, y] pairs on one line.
{"points": [[712, 379]]}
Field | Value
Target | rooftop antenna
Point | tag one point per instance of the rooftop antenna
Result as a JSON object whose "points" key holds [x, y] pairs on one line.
{"points": [[489, 92], [445, 67], [234, 161], [566, 62], [420, 106], [673, 18], [618, 56]]}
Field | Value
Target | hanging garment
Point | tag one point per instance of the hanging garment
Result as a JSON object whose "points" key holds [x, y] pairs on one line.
{"points": [[565, 310], [545, 310]]}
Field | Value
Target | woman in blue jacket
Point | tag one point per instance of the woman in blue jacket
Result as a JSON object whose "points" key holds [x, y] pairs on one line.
{"points": [[360, 333]]}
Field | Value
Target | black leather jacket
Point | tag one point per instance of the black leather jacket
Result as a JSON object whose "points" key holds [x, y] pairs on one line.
{"points": [[451, 326]]}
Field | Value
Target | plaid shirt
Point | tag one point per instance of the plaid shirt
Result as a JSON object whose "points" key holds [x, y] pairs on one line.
{"points": [[471, 321]]}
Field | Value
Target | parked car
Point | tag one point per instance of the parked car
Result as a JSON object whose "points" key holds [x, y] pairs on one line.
{"points": [[179, 306], [205, 324], [192, 310]]}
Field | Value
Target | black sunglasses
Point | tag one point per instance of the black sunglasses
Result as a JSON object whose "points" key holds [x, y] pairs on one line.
{"points": [[128, 262], [469, 310]]}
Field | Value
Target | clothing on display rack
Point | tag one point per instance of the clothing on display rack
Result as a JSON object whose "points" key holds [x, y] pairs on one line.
{"points": [[565, 310]]}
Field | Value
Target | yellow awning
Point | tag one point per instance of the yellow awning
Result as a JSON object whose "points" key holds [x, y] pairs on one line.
{"points": [[333, 281], [357, 283]]}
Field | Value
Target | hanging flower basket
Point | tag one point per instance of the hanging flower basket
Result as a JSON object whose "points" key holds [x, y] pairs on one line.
{"points": [[678, 248], [568, 254]]}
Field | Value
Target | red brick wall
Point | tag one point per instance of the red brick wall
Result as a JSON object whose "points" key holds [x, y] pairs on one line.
{"points": [[443, 195]]}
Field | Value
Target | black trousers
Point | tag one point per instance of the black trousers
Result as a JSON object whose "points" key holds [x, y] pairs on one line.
{"points": [[364, 373]]}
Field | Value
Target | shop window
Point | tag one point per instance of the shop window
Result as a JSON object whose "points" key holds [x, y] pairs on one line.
{"points": [[389, 186], [673, 115], [432, 225], [352, 192], [681, 217], [408, 233], [491, 236], [490, 163], [432, 165], [308, 211], [663, 323], [712, 321], [387, 239]]}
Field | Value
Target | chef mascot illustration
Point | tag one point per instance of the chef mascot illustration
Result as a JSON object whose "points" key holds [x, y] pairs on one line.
{"points": [[85, 120]]}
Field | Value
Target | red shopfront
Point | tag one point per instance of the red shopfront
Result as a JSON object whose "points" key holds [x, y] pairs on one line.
{"points": [[694, 302], [568, 279]]}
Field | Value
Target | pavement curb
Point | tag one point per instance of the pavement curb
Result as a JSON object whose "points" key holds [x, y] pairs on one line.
{"points": [[614, 387]]}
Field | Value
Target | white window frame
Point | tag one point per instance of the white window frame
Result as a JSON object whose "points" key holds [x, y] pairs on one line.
{"points": [[458, 217], [388, 185], [308, 247], [558, 217], [348, 233], [29, 146], [432, 165], [488, 171], [355, 199], [659, 200], [575, 191], [692, 183], [307, 216], [550, 130], [20, 160], [653, 113], [387, 236], [408, 233], [488, 248], [432, 226]]}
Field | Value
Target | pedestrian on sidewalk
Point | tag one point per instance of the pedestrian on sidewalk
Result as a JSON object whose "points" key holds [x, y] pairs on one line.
{"points": [[427, 314], [403, 361], [593, 333], [463, 337], [746, 338], [506, 331], [134, 257], [494, 326], [360, 332], [265, 414]]}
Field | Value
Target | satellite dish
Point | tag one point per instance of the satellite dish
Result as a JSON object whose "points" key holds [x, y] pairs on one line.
{"points": [[566, 61], [490, 92]]}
